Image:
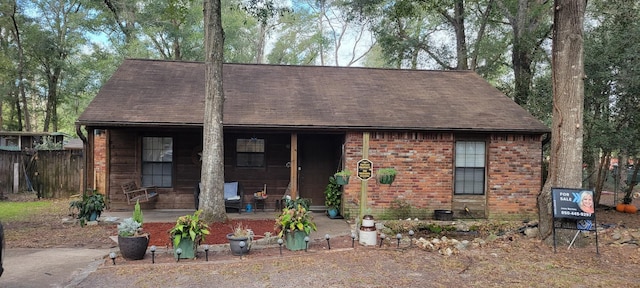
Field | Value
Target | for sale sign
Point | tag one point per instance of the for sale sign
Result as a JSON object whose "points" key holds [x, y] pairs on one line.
{"points": [[573, 203]]}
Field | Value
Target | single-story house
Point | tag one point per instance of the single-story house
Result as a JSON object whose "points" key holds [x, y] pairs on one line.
{"points": [[457, 142]]}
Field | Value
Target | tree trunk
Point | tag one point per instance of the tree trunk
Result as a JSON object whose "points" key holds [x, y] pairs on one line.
{"points": [[21, 67], [261, 42], [461, 44], [51, 111], [603, 170], [212, 194], [565, 167], [522, 73]]}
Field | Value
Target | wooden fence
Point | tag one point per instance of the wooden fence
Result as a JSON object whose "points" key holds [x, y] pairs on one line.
{"points": [[50, 174]]}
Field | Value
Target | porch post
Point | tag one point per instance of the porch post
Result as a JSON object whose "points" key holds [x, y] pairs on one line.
{"points": [[294, 166], [363, 184]]}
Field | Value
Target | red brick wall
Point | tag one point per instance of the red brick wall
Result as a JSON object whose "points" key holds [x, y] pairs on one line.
{"points": [[425, 173], [514, 176], [100, 162]]}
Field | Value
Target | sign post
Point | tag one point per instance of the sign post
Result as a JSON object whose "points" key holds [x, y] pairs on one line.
{"points": [[574, 204], [363, 184]]}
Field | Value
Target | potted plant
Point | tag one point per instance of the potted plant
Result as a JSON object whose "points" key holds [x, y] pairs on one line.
{"points": [[295, 224], [386, 175], [342, 177], [240, 234], [188, 232], [89, 207], [333, 197], [132, 241]]}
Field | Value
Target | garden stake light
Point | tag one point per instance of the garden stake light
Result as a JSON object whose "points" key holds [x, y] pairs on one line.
{"points": [[381, 239], [306, 243], [326, 236], [353, 239], [112, 255], [242, 244], [280, 244], [153, 254], [179, 251], [398, 236], [206, 252], [410, 237]]}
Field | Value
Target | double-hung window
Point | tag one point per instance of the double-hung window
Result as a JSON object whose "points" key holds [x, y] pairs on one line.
{"points": [[470, 168], [157, 161], [250, 153]]}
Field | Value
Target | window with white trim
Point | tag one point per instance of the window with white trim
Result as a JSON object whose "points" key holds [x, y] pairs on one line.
{"points": [[250, 153], [157, 161], [470, 168]]}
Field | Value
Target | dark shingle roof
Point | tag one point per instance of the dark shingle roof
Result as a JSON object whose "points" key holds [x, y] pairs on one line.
{"points": [[153, 92]]}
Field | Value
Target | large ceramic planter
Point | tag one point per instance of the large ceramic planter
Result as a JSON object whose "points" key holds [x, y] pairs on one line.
{"points": [[133, 248], [295, 241], [234, 243], [188, 249], [332, 212]]}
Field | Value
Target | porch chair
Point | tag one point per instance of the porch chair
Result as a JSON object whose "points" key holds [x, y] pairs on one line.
{"points": [[233, 196], [134, 193]]}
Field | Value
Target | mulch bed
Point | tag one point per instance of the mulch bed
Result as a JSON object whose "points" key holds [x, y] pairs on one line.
{"points": [[218, 231]]}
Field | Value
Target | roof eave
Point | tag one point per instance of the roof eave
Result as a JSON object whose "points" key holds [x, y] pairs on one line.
{"points": [[315, 127]]}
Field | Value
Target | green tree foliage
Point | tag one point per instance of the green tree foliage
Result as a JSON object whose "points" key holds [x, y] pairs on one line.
{"points": [[451, 34], [300, 42], [611, 86]]}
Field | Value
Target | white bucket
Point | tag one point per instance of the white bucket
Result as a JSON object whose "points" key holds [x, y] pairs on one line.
{"points": [[368, 238], [368, 222]]}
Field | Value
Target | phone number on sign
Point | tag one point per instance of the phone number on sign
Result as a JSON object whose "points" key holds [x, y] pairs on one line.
{"points": [[575, 213]]}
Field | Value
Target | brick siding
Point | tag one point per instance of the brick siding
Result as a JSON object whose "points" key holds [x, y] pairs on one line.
{"points": [[425, 173]]}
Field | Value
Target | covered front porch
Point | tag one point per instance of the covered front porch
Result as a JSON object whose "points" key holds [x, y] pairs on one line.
{"points": [[283, 162]]}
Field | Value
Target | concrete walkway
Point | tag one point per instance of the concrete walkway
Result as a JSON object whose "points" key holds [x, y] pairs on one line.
{"points": [[56, 267], [66, 267]]}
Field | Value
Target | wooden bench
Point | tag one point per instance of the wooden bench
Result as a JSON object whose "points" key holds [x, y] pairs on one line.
{"points": [[133, 193]]}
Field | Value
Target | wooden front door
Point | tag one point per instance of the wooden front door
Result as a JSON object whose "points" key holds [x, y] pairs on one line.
{"points": [[318, 157]]}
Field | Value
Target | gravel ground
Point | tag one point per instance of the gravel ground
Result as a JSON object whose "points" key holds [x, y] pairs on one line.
{"points": [[510, 259]]}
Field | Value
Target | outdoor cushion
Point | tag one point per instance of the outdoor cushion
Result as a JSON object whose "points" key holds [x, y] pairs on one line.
{"points": [[231, 191]]}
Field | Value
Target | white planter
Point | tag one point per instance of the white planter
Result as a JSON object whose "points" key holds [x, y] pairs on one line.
{"points": [[368, 223]]}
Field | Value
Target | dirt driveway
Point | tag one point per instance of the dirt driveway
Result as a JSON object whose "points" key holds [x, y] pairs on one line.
{"points": [[524, 264]]}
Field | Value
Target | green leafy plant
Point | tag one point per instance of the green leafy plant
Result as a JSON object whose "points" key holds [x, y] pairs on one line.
{"points": [[342, 177], [90, 203], [332, 194], [387, 171], [386, 175], [295, 219], [344, 173], [292, 204], [129, 227], [137, 213], [189, 226]]}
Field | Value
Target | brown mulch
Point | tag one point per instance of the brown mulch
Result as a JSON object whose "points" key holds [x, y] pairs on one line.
{"points": [[217, 231]]}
